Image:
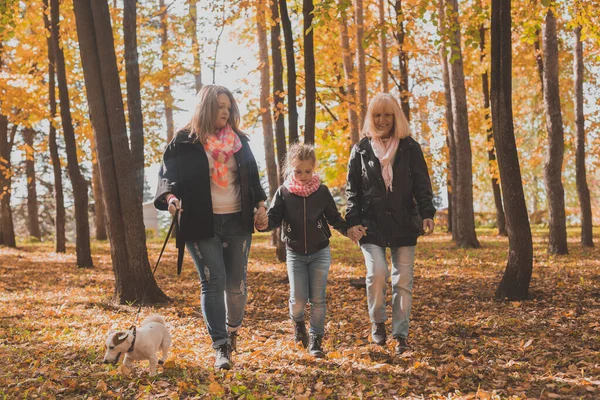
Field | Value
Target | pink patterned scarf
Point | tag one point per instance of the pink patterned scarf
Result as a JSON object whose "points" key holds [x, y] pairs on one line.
{"points": [[385, 152], [300, 189], [221, 146]]}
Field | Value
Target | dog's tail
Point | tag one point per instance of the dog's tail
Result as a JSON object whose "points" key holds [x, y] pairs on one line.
{"points": [[154, 318]]}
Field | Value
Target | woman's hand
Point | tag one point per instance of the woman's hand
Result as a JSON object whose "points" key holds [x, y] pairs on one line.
{"points": [[261, 219], [356, 233], [174, 205], [428, 226]]}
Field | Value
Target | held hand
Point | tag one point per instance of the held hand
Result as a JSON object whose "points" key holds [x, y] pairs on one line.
{"points": [[356, 233], [261, 219], [428, 226], [174, 205]]}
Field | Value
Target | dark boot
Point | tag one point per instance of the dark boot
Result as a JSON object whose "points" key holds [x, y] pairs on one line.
{"points": [[378, 333], [401, 345], [300, 334], [315, 346], [233, 340], [223, 357]]}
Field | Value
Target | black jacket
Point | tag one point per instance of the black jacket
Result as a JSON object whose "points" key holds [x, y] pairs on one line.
{"points": [[393, 218], [185, 173], [304, 220]]}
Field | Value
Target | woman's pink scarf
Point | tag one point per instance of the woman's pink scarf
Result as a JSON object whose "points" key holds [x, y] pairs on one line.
{"points": [[300, 189], [221, 146], [385, 152]]}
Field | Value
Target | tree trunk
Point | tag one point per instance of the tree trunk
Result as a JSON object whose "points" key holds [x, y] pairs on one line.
{"points": [[385, 82], [557, 243], [196, 49], [587, 238], [33, 221], [350, 83], [134, 99], [538, 58], [60, 218], [100, 214], [309, 73], [278, 95], [402, 60], [360, 61], [517, 276], [164, 49], [465, 220], [286, 25], [6, 143], [133, 277], [450, 138], [278, 92], [80, 189], [500, 218]]}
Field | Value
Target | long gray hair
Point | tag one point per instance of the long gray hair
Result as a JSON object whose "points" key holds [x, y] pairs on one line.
{"points": [[206, 113]]}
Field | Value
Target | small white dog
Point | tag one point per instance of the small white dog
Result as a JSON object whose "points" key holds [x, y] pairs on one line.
{"points": [[140, 344]]}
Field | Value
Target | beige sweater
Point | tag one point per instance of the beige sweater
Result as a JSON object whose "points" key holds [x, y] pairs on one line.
{"points": [[226, 200]]}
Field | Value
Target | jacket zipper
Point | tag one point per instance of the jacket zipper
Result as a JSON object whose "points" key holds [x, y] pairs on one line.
{"points": [[305, 240]]}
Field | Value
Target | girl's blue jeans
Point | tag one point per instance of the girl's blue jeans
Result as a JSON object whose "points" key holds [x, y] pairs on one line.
{"points": [[308, 280], [222, 263], [402, 282]]}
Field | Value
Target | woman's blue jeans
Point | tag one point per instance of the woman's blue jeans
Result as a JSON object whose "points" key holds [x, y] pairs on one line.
{"points": [[403, 259], [308, 280], [222, 263]]}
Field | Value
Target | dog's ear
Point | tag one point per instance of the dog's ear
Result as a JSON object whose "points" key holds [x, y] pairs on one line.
{"points": [[122, 336]]}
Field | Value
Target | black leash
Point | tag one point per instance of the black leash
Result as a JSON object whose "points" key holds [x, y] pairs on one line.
{"points": [[173, 223]]}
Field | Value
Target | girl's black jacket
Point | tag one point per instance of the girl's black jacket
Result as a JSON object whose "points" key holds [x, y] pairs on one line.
{"points": [[185, 173], [395, 218], [304, 220]]}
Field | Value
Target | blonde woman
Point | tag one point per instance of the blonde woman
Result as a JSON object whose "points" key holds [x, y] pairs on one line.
{"points": [[389, 205], [210, 175]]}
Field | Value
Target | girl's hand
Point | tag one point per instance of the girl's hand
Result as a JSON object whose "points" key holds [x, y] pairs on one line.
{"points": [[356, 233], [428, 226], [261, 219], [174, 205]]}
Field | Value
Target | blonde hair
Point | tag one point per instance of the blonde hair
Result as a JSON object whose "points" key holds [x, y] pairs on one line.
{"points": [[299, 152], [388, 103], [206, 113]]}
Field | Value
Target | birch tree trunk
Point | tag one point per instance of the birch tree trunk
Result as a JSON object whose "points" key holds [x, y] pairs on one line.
{"points": [[517, 276]]}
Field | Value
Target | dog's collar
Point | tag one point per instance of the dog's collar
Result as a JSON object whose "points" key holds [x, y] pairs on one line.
{"points": [[133, 342]]}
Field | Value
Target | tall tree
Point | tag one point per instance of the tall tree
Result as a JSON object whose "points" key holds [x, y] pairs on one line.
{"points": [[196, 49], [517, 276], [465, 219], [7, 139], [450, 138], [60, 218], [134, 99], [164, 57], [360, 61], [500, 218], [124, 212], [278, 92], [33, 221], [349, 79], [587, 237], [385, 82], [80, 189], [400, 35], [290, 60], [310, 83], [557, 243]]}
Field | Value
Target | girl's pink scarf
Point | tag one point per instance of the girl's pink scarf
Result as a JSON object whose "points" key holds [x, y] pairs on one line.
{"points": [[221, 146], [385, 152], [300, 189]]}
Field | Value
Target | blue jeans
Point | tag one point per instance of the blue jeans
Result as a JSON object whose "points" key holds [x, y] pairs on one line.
{"points": [[308, 280], [222, 263], [403, 260]]}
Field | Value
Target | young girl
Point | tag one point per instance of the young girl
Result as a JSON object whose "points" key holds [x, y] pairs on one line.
{"points": [[303, 207], [390, 204]]}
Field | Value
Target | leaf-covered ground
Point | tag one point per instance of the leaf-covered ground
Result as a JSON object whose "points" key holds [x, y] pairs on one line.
{"points": [[54, 319]]}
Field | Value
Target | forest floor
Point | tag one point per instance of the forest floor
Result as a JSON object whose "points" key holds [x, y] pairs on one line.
{"points": [[54, 320]]}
